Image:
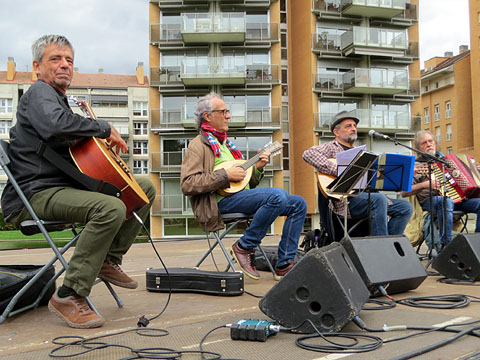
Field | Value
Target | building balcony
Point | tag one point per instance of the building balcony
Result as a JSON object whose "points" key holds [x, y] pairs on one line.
{"points": [[170, 119], [166, 75], [326, 44], [376, 81], [262, 32], [374, 42], [173, 4], [172, 161], [374, 8], [368, 81], [251, 4], [213, 27], [171, 205], [166, 34], [387, 121], [204, 70], [241, 117]]}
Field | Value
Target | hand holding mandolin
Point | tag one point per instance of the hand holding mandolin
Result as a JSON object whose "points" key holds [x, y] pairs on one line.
{"points": [[236, 173]]}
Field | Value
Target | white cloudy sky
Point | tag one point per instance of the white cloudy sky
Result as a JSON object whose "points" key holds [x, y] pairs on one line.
{"points": [[113, 34]]}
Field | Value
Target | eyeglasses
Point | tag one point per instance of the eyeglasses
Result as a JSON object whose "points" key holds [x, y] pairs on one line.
{"points": [[224, 112]]}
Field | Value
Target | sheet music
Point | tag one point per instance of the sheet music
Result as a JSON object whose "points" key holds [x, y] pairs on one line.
{"points": [[344, 158]]}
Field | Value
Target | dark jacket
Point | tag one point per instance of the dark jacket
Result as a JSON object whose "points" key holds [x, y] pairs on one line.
{"points": [[199, 182], [44, 113]]}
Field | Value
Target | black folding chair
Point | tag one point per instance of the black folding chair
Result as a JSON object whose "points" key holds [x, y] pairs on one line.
{"points": [[35, 226], [231, 221]]}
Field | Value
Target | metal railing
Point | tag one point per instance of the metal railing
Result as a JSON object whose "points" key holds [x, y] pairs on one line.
{"points": [[375, 37]]}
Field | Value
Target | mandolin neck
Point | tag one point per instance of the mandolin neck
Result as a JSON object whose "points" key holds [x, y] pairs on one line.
{"points": [[251, 161]]}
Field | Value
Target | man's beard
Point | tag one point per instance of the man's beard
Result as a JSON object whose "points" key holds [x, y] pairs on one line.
{"points": [[350, 139], [64, 84]]}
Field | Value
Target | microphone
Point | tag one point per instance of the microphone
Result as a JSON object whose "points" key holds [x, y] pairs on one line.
{"points": [[378, 135]]}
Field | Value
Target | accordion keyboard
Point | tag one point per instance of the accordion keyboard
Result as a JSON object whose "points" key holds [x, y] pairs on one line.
{"points": [[451, 192]]}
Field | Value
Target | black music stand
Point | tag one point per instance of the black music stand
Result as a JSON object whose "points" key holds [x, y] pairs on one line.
{"points": [[348, 179]]}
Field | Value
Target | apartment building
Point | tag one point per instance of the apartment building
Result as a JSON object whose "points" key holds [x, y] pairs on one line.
{"points": [[120, 99], [356, 55], [236, 48], [446, 88]]}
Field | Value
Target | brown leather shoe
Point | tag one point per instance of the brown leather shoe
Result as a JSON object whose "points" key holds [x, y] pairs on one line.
{"points": [[280, 273], [246, 260], [74, 310], [115, 275]]}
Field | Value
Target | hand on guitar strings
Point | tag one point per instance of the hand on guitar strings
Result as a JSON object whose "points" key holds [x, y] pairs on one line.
{"points": [[116, 141], [264, 159]]}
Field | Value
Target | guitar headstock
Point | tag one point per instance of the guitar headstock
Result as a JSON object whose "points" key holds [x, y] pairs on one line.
{"points": [[273, 148], [83, 106]]}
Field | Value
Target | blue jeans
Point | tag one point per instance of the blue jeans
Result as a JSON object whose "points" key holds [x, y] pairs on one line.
{"points": [[468, 206], [266, 204], [399, 213]]}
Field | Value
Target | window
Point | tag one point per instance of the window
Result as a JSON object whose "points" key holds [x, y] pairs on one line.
{"points": [[5, 106], [140, 108], [140, 167], [449, 132], [450, 150], [426, 88], [5, 127], [140, 147], [438, 134], [140, 128], [448, 110], [427, 116], [173, 151], [437, 112]]}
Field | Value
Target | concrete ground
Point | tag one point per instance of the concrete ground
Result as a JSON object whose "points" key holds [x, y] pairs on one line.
{"points": [[190, 316]]}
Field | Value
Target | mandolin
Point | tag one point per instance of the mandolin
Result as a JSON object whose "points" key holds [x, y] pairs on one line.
{"points": [[247, 165], [94, 158]]}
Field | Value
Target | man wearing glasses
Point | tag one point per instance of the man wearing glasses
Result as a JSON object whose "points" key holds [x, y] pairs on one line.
{"points": [[201, 183]]}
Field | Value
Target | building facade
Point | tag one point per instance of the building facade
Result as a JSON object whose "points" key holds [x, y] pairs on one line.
{"points": [[446, 88], [361, 56], [120, 99], [236, 48]]}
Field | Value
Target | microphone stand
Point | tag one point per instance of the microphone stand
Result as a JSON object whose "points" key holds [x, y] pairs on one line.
{"points": [[431, 159]]}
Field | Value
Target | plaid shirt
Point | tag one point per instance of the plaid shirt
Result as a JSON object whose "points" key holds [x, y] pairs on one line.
{"points": [[318, 156]]}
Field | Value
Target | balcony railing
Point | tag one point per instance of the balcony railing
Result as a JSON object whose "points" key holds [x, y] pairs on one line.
{"points": [[263, 74], [376, 81], [262, 32], [204, 70], [165, 33], [165, 75], [171, 118], [171, 204], [374, 41], [210, 27], [326, 43], [377, 119], [241, 116], [373, 8]]}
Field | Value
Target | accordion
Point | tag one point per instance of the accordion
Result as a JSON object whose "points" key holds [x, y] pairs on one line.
{"points": [[462, 175]]}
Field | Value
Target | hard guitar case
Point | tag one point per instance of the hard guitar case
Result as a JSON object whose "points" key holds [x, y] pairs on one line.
{"points": [[196, 281]]}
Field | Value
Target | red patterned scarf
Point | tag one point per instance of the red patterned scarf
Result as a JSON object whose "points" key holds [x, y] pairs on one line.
{"points": [[213, 134]]}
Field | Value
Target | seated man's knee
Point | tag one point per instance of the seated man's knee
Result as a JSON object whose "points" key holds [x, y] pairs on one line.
{"points": [[114, 210]]}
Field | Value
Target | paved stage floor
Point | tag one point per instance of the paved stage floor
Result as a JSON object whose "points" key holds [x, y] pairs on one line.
{"points": [[189, 316]]}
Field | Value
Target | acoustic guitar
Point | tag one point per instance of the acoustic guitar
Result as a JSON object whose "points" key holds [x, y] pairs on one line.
{"points": [[94, 158], [324, 180], [247, 165]]}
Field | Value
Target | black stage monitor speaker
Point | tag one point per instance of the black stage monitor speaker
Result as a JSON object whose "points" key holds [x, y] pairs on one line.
{"points": [[389, 261], [324, 287], [460, 259]]}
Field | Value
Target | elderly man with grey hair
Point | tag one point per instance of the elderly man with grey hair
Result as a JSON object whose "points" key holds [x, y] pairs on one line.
{"points": [[201, 182], [43, 113], [425, 142]]}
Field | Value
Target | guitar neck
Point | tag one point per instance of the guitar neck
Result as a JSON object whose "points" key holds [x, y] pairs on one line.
{"points": [[251, 161]]}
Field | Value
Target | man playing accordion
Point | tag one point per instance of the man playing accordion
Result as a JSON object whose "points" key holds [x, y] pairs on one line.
{"points": [[425, 142]]}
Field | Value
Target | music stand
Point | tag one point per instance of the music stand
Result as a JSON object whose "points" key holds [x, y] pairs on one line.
{"points": [[348, 179], [393, 172]]}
